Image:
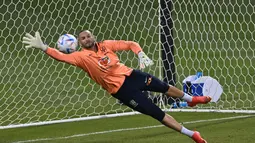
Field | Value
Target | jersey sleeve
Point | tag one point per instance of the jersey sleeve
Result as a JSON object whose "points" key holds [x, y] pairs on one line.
{"points": [[120, 45], [67, 58]]}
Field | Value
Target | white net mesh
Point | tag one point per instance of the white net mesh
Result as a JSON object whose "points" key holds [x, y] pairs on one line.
{"points": [[214, 37], [34, 87], [217, 38]]}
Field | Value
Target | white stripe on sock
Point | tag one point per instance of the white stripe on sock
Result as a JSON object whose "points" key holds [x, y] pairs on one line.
{"points": [[187, 131], [187, 97]]}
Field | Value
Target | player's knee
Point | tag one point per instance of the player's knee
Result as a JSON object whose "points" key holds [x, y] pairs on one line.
{"points": [[156, 113], [169, 88]]}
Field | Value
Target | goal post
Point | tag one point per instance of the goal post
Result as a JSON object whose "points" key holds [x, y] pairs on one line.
{"points": [[215, 37], [167, 46]]}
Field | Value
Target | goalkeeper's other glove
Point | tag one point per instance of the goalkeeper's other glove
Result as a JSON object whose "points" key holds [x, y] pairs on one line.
{"points": [[144, 60], [35, 42]]}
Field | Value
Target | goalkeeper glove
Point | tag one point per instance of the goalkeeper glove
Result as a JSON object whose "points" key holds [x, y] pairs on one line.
{"points": [[144, 60], [35, 42]]}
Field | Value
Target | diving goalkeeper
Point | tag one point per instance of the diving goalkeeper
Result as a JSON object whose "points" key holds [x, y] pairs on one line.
{"points": [[101, 63]]}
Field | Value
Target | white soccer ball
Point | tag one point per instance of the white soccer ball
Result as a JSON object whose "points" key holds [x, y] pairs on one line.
{"points": [[67, 43]]}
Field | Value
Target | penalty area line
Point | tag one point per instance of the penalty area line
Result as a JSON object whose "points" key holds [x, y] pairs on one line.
{"points": [[129, 129]]}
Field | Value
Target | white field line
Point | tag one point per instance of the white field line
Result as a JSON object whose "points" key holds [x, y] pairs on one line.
{"points": [[128, 129]]}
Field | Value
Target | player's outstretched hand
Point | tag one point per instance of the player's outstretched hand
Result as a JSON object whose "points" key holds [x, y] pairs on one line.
{"points": [[35, 42], [144, 60]]}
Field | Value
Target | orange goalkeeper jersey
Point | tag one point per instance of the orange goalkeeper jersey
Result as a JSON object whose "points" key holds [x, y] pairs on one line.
{"points": [[103, 66]]}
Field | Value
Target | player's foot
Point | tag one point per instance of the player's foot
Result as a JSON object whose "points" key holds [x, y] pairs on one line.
{"points": [[199, 100], [197, 138]]}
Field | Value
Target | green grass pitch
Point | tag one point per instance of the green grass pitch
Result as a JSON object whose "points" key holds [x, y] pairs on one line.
{"points": [[108, 130]]}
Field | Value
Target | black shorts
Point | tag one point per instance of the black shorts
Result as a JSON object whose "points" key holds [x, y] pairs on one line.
{"points": [[130, 93]]}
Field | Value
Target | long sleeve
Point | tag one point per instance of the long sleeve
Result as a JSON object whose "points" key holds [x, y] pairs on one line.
{"points": [[119, 45], [67, 58]]}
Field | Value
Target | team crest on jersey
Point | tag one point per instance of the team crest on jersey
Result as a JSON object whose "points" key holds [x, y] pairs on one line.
{"points": [[103, 62]]}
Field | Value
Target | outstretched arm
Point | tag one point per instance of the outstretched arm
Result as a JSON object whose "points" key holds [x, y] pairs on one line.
{"points": [[36, 42], [120, 45], [67, 58]]}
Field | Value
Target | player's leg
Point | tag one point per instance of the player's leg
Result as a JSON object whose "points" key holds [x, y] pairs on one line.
{"points": [[138, 101], [154, 84], [191, 100], [169, 121]]}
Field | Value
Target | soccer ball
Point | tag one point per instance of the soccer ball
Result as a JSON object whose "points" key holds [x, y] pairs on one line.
{"points": [[67, 43]]}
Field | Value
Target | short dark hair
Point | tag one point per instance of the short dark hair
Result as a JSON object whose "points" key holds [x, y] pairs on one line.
{"points": [[80, 32], [83, 31]]}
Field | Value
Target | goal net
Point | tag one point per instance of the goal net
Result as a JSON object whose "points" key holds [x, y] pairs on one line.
{"points": [[215, 37]]}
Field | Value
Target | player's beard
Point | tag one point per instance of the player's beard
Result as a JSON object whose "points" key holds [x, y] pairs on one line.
{"points": [[89, 45]]}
